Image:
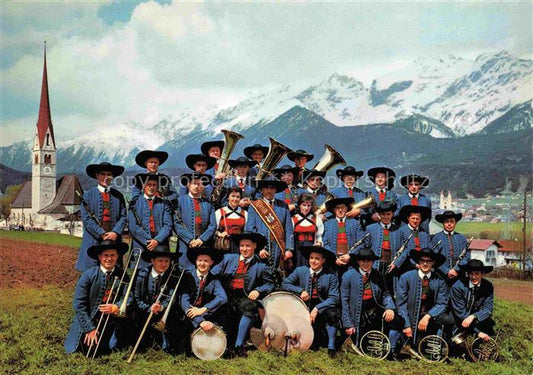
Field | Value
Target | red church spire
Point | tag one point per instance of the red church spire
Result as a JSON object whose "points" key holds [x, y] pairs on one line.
{"points": [[45, 116]]}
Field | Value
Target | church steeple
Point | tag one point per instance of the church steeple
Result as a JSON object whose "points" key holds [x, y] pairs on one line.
{"points": [[44, 122], [44, 152]]}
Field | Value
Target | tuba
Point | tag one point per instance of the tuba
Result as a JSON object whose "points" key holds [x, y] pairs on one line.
{"points": [[276, 152], [330, 158], [230, 140]]}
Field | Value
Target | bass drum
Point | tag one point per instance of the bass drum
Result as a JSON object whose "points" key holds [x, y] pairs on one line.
{"points": [[287, 325], [209, 345]]}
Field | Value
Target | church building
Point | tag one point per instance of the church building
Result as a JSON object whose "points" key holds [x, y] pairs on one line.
{"points": [[45, 203]]}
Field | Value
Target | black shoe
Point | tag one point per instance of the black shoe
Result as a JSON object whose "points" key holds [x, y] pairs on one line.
{"points": [[240, 352], [332, 353]]}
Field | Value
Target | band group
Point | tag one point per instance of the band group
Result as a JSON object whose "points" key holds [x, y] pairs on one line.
{"points": [[359, 260]]}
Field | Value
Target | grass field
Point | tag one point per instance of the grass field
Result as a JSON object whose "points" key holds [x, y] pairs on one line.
{"points": [[34, 323], [492, 231], [42, 237]]}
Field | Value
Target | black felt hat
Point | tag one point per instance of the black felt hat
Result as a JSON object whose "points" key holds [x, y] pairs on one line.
{"points": [[405, 211], [93, 169], [120, 247], [328, 254], [285, 169], [294, 154], [191, 159], [248, 151], [257, 238], [207, 145], [159, 251], [476, 265], [423, 180], [348, 171], [330, 204], [241, 161], [363, 253], [194, 252], [438, 258], [143, 156], [386, 206], [271, 181], [448, 214]]}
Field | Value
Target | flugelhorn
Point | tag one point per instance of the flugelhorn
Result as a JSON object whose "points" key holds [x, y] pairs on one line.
{"points": [[330, 158], [276, 152], [369, 201], [230, 140]]}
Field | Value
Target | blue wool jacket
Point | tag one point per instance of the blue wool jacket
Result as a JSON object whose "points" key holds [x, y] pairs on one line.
{"points": [[162, 221], [352, 296], [91, 231], [186, 234], [249, 191], [459, 242], [375, 240], [145, 292], [255, 224], [409, 298], [327, 286], [483, 302], [89, 294], [331, 229], [213, 295], [404, 262], [257, 277]]}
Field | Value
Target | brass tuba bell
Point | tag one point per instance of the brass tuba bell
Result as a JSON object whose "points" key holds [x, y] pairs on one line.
{"points": [[276, 152], [230, 140], [330, 158]]}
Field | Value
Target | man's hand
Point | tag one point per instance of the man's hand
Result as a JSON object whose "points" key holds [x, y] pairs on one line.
{"points": [[264, 254], [313, 314], [288, 255], [452, 274], [468, 320], [223, 234], [220, 176], [151, 244], [91, 338], [207, 326], [350, 331], [111, 236], [156, 308], [353, 212], [292, 207], [388, 315], [304, 295], [245, 202], [423, 324], [108, 308], [483, 336], [408, 332], [343, 260], [375, 217], [193, 312], [253, 295]]}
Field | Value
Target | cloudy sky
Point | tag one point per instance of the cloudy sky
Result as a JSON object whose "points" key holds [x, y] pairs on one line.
{"points": [[115, 62]]}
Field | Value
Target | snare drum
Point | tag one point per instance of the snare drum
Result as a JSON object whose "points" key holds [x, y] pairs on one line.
{"points": [[208, 345]]}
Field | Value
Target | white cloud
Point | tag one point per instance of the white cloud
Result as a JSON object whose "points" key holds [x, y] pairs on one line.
{"points": [[171, 56]]}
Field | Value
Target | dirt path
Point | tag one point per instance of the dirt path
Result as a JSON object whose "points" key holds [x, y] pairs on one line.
{"points": [[30, 264]]}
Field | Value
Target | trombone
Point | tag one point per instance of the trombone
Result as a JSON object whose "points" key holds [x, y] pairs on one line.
{"points": [[100, 322], [159, 296], [161, 324]]}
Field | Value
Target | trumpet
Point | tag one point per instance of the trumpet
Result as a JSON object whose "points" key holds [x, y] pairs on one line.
{"points": [[276, 152], [231, 139], [124, 305]]}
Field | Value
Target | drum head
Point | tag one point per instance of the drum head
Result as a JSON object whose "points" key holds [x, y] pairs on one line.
{"points": [[433, 348], [375, 344], [287, 315], [208, 345], [485, 350]]}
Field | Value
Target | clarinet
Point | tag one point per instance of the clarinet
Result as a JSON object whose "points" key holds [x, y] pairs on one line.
{"points": [[463, 253], [131, 207], [355, 245], [398, 253], [88, 209]]}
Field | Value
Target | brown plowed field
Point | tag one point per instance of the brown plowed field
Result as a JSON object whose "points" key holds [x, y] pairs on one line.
{"points": [[30, 264]]}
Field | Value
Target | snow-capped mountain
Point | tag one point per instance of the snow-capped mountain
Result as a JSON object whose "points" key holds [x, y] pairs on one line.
{"points": [[448, 96]]}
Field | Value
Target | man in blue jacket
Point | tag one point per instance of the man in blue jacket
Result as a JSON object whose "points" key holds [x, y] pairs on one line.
{"points": [[383, 179], [149, 217], [414, 183], [246, 280], [349, 176], [422, 297], [366, 300], [199, 163], [318, 286], [148, 285], [103, 213], [451, 246], [194, 220], [94, 297], [152, 160], [473, 300], [202, 296]]}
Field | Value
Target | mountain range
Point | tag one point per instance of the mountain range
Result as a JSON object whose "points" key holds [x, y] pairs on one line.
{"points": [[420, 117]]}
